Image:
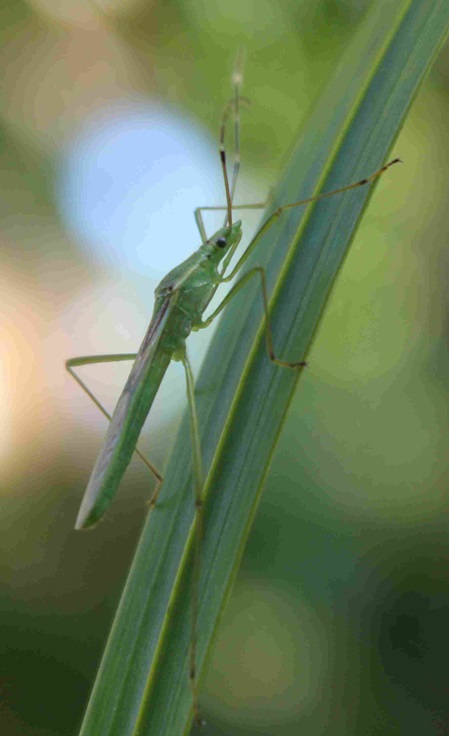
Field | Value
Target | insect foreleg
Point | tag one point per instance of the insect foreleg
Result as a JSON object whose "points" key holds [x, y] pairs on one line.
{"points": [[221, 208], [277, 213]]}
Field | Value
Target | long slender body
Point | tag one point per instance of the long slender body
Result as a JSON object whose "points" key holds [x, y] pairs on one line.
{"points": [[180, 301]]}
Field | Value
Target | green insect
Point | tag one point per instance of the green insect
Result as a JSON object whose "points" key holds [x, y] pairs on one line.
{"points": [[181, 300]]}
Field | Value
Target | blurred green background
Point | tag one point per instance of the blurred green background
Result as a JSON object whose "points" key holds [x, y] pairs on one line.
{"points": [[338, 620]]}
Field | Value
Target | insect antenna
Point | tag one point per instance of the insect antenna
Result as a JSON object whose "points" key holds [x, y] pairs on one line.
{"points": [[232, 105]]}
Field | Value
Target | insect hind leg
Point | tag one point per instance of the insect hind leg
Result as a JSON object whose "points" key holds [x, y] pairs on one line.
{"points": [[78, 362]]}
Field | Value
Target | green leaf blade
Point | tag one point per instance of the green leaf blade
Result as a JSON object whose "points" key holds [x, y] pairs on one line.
{"points": [[142, 687]]}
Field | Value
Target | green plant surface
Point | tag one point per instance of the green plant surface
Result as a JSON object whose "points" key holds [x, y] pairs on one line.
{"points": [[142, 685]]}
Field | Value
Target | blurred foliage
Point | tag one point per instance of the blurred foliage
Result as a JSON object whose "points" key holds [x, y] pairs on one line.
{"points": [[360, 476]]}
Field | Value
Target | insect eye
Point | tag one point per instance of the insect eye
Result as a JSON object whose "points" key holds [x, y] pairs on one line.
{"points": [[221, 242]]}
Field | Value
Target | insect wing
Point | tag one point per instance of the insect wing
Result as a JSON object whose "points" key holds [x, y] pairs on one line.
{"points": [[127, 420]]}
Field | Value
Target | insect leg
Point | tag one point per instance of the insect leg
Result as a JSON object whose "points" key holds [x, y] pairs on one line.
{"points": [[73, 363], [277, 213], [268, 332], [198, 483], [199, 216]]}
